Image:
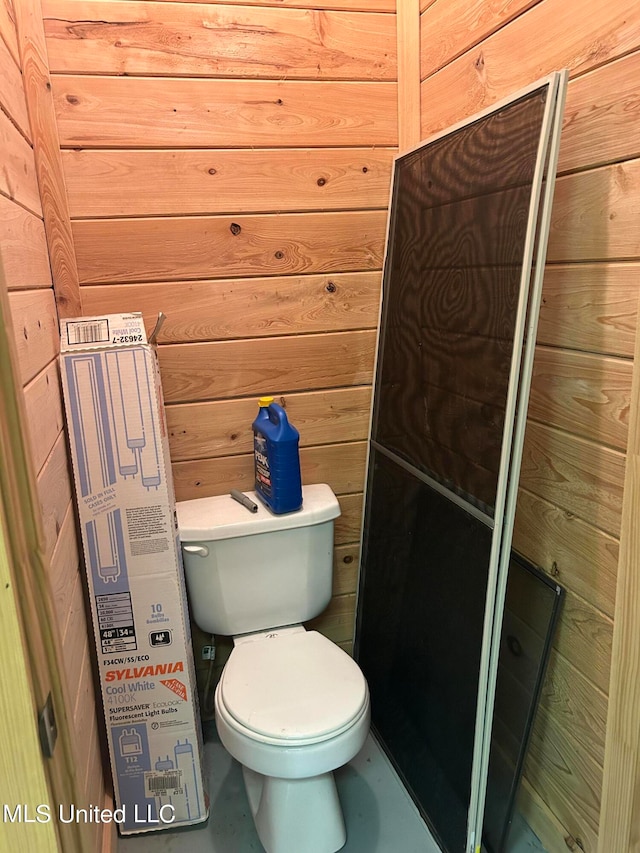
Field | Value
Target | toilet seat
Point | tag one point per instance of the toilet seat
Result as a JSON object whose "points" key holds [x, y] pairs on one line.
{"points": [[291, 689]]}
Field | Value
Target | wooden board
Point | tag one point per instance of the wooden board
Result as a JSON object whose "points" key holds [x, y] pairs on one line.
{"points": [[576, 554], [408, 60], [98, 112], [584, 637], [348, 525], [23, 247], [591, 307], [63, 570], [339, 465], [575, 474], [18, 174], [336, 622], [451, 28], [602, 116], [564, 775], [12, 101], [44, 413], [177, 248], [134, 38], [595, 215], [223, 181], [346, 562], [553, 34], [54, 491], [8, 28], [203, 430], [575, 705], [35, 328], [621, 794], [349, 5], [585, 394], [274, 365], [231, 308], [552, 834], [46, 150]]}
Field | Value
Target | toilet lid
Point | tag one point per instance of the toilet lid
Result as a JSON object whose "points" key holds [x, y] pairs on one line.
{"points": [[293, 687]]}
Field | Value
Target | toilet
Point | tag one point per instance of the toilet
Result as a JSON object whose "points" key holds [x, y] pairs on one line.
{"points": [[290, 706]]}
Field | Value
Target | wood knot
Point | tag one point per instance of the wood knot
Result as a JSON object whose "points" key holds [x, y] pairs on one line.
{"points": [[364, 169], [479, 63], [348, 559], [73, 99], [279, 255], [321, 182], [330, 288], [213, 171], [235, 228], [279, 102]]}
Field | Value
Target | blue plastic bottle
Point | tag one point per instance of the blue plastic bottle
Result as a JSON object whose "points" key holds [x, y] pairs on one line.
{"points": [[276, 458]]}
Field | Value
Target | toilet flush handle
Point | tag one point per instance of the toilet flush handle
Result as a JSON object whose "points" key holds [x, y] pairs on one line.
{"points": [[199, 550]]}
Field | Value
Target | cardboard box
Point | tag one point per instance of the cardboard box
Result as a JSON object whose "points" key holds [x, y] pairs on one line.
{"points": [[126, 509]]}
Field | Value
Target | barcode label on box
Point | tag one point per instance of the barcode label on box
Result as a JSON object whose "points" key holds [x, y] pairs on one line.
{"points": [[85, 332], [161, 784]]}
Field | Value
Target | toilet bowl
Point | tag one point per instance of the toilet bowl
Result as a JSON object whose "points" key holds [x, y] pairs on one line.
{"points": [[290, 706]]}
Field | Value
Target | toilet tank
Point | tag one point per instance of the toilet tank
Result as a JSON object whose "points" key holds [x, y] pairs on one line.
{"points": [[254, 571]]}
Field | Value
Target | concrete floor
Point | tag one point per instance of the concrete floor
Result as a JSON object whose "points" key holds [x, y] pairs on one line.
{"points": [[379, 814]]}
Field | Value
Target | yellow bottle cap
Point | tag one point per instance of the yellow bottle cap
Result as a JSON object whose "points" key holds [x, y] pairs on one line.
{"points": [[265, 401]]}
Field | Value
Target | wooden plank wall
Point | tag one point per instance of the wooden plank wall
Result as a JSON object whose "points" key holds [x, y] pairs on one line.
{"points": [[229, 165], [25, 258], [569, 512]]}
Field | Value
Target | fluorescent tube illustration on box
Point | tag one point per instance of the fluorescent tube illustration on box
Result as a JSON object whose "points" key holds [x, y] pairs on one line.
{"points": [[131, 406]]}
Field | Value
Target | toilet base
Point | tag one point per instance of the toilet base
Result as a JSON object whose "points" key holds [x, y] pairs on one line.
{"points": [[301, 815]]}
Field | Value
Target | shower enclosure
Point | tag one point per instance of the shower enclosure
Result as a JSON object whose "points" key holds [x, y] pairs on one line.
{"points": [[466, 245]]}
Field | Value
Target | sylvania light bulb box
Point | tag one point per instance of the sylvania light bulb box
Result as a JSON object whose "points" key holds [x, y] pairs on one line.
{"points": [[126, 510]]}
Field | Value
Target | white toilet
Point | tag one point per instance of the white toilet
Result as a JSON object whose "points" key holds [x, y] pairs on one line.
{"points": [[290, 706]]}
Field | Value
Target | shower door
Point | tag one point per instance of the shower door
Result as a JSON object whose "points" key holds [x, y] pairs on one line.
{"points": [[468, 225]]}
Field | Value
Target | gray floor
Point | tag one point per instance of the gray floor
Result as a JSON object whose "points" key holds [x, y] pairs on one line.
{"points": [[380, 816]]}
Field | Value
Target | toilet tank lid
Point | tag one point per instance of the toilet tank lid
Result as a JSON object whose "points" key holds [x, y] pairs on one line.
{"points": [[221, 517]]}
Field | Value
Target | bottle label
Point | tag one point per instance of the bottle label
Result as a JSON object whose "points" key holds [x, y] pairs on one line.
{"points": [[263, 470]]}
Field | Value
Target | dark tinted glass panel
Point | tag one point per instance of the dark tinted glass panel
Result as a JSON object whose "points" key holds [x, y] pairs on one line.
{"points": [[419, 638], [531, 610], [456, 244]]}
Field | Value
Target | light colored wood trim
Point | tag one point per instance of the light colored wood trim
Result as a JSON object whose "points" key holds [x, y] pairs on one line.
{"points": [[408, 36], [46, 149], [620, 815], [147, 38], [129, 250], [102, 112], [22, 776], [43, 407], [54, 490], [224, 309], [223, 181], [336, 622], [26, 543]]}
